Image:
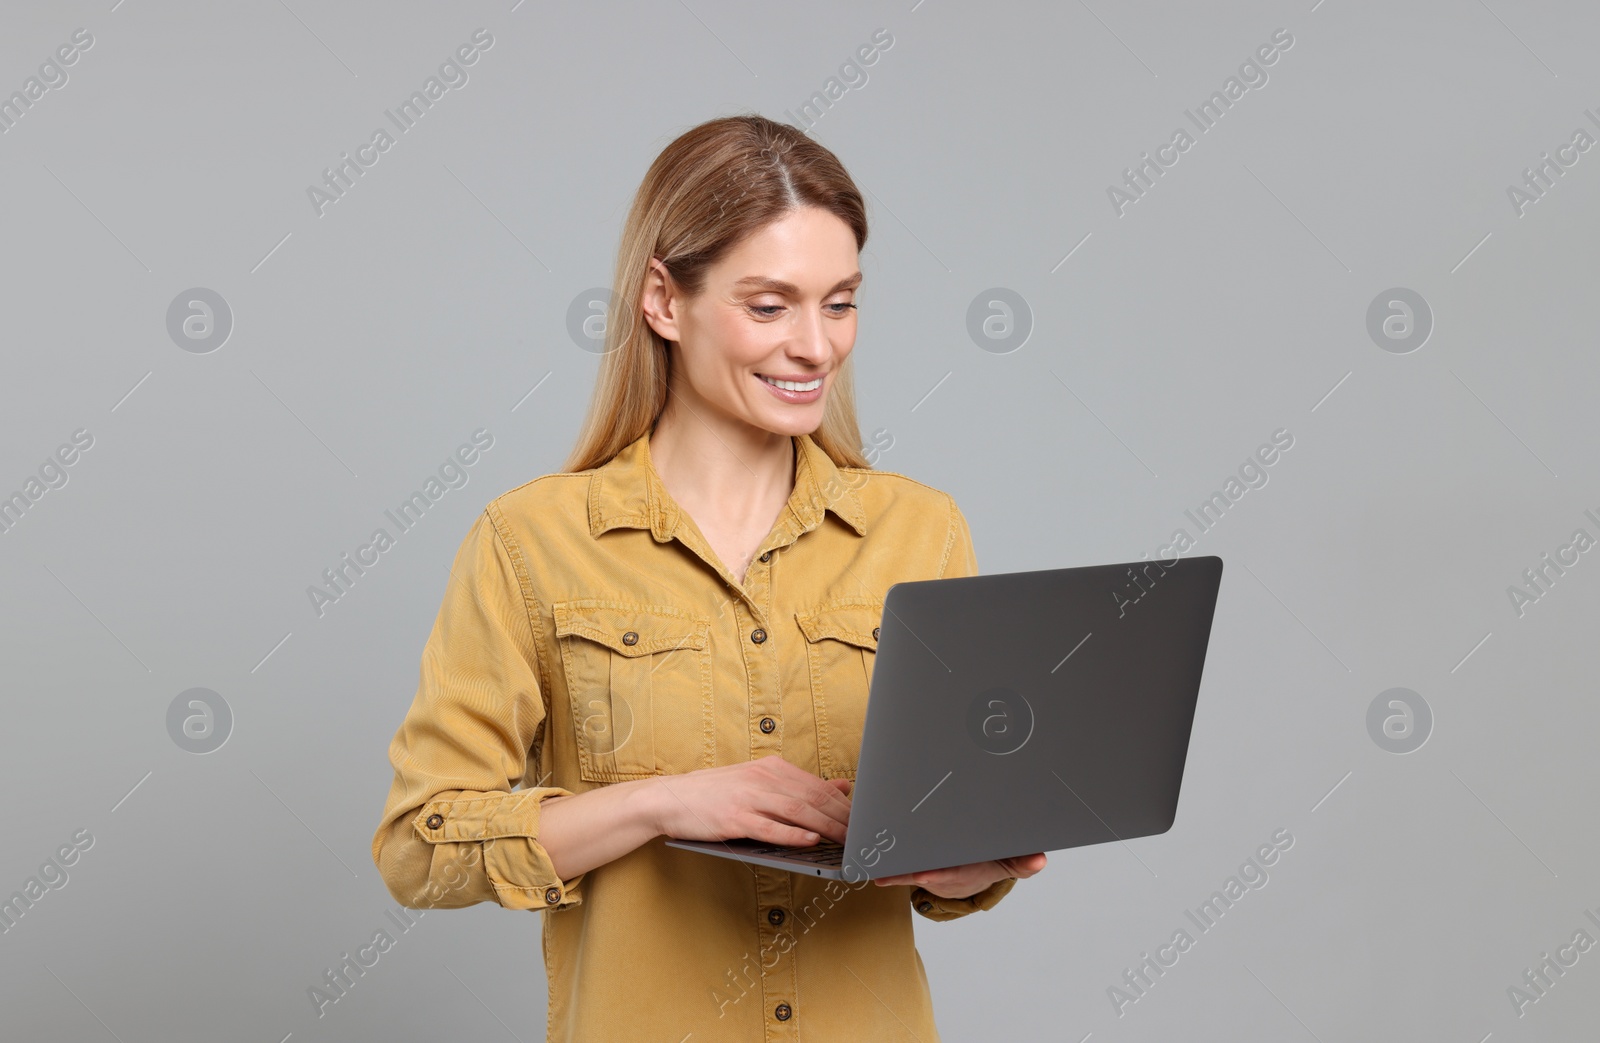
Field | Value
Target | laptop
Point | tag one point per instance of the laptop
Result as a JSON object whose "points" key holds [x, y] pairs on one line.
{"points": [[1015, 713]]}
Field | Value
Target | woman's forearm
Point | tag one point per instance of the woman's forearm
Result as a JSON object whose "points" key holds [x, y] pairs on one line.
{"points": [[589, 829]]}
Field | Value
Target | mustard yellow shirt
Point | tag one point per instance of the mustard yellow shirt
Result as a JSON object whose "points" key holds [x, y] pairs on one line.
{"points": [[589, 635]]}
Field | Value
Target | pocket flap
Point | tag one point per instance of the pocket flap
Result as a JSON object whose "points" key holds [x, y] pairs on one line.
{"points": [[853, 621], [631, 630]]}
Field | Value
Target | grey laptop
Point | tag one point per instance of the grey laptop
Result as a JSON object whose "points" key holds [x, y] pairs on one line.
{"points": [[1020, 712]]}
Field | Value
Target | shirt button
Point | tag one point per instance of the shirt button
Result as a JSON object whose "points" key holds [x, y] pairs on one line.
{"points": [[630, 638], [782, 1012], [926, 907], [758, 635], [768, 724], [552, 895], [767, 556], [874, 633], [435, 821], [775, 917]]}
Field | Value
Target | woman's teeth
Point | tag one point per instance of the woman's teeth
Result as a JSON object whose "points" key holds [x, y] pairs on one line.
{"points": [[790, 385]]}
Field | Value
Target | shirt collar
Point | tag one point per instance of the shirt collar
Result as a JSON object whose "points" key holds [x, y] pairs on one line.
{"points": [[627, 491]]}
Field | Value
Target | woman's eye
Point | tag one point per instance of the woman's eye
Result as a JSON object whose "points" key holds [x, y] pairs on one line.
{"points": [[769, 311]]}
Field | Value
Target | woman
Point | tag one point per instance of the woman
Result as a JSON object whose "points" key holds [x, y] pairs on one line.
{"points": [[674, 637]]}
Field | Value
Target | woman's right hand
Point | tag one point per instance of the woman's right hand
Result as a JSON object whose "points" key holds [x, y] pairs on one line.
{"points": [[767, 799]]}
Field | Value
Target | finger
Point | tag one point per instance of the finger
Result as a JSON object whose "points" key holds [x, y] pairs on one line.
{"points": [[942, 882], [772, 831], [838, 801], [1023, 865], [793, 808], [827, 798], [828, 795], [917, 879]]}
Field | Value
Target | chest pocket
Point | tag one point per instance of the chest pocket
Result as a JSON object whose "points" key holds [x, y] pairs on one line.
{"points": [[639, 685], [841, 644]]}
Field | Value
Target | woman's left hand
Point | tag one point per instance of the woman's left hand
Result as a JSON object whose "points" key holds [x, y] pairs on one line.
{"points": [[965, 881]]}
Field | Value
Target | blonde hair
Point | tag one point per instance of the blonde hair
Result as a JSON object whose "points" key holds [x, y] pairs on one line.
{"points": [[710, 188]]}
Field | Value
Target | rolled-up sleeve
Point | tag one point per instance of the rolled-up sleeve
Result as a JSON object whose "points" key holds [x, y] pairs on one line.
{"points": [[456, 831], [960, 560], [933, 907]]}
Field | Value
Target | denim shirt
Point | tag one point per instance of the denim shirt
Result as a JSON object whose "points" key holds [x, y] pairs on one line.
{"points": [[590, 635]]}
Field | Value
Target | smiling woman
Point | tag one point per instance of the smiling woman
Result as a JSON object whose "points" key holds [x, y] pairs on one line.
{"points": [[750, 345], [674, 637]]}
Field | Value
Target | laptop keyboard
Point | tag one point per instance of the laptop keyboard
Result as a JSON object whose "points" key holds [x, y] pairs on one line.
{"points": [[825, 853]]}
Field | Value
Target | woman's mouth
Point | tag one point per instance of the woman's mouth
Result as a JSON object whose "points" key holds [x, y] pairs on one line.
{"points": [[793, 385], [793, 390]]}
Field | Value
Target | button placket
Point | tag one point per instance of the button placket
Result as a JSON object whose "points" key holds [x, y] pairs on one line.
{"points": [[762, 657], [779, 972]]}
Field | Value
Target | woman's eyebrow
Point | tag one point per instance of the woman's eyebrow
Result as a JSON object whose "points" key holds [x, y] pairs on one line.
{"points": [[780, 286]]}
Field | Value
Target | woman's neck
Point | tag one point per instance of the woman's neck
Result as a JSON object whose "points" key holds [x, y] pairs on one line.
{"points": [[735, 471], [733, 484]]}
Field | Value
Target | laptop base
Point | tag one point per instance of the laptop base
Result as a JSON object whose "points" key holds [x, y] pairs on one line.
{"points": [[825, 859]]}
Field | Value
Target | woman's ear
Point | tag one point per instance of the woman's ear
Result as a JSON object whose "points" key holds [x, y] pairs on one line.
{"points": [[659, 301]]}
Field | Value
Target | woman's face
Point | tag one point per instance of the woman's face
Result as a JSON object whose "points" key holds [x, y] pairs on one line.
{"points": [[778, 306]]}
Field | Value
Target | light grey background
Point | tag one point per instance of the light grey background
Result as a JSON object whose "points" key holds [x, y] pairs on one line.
{"points": [[1166, 344]]}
